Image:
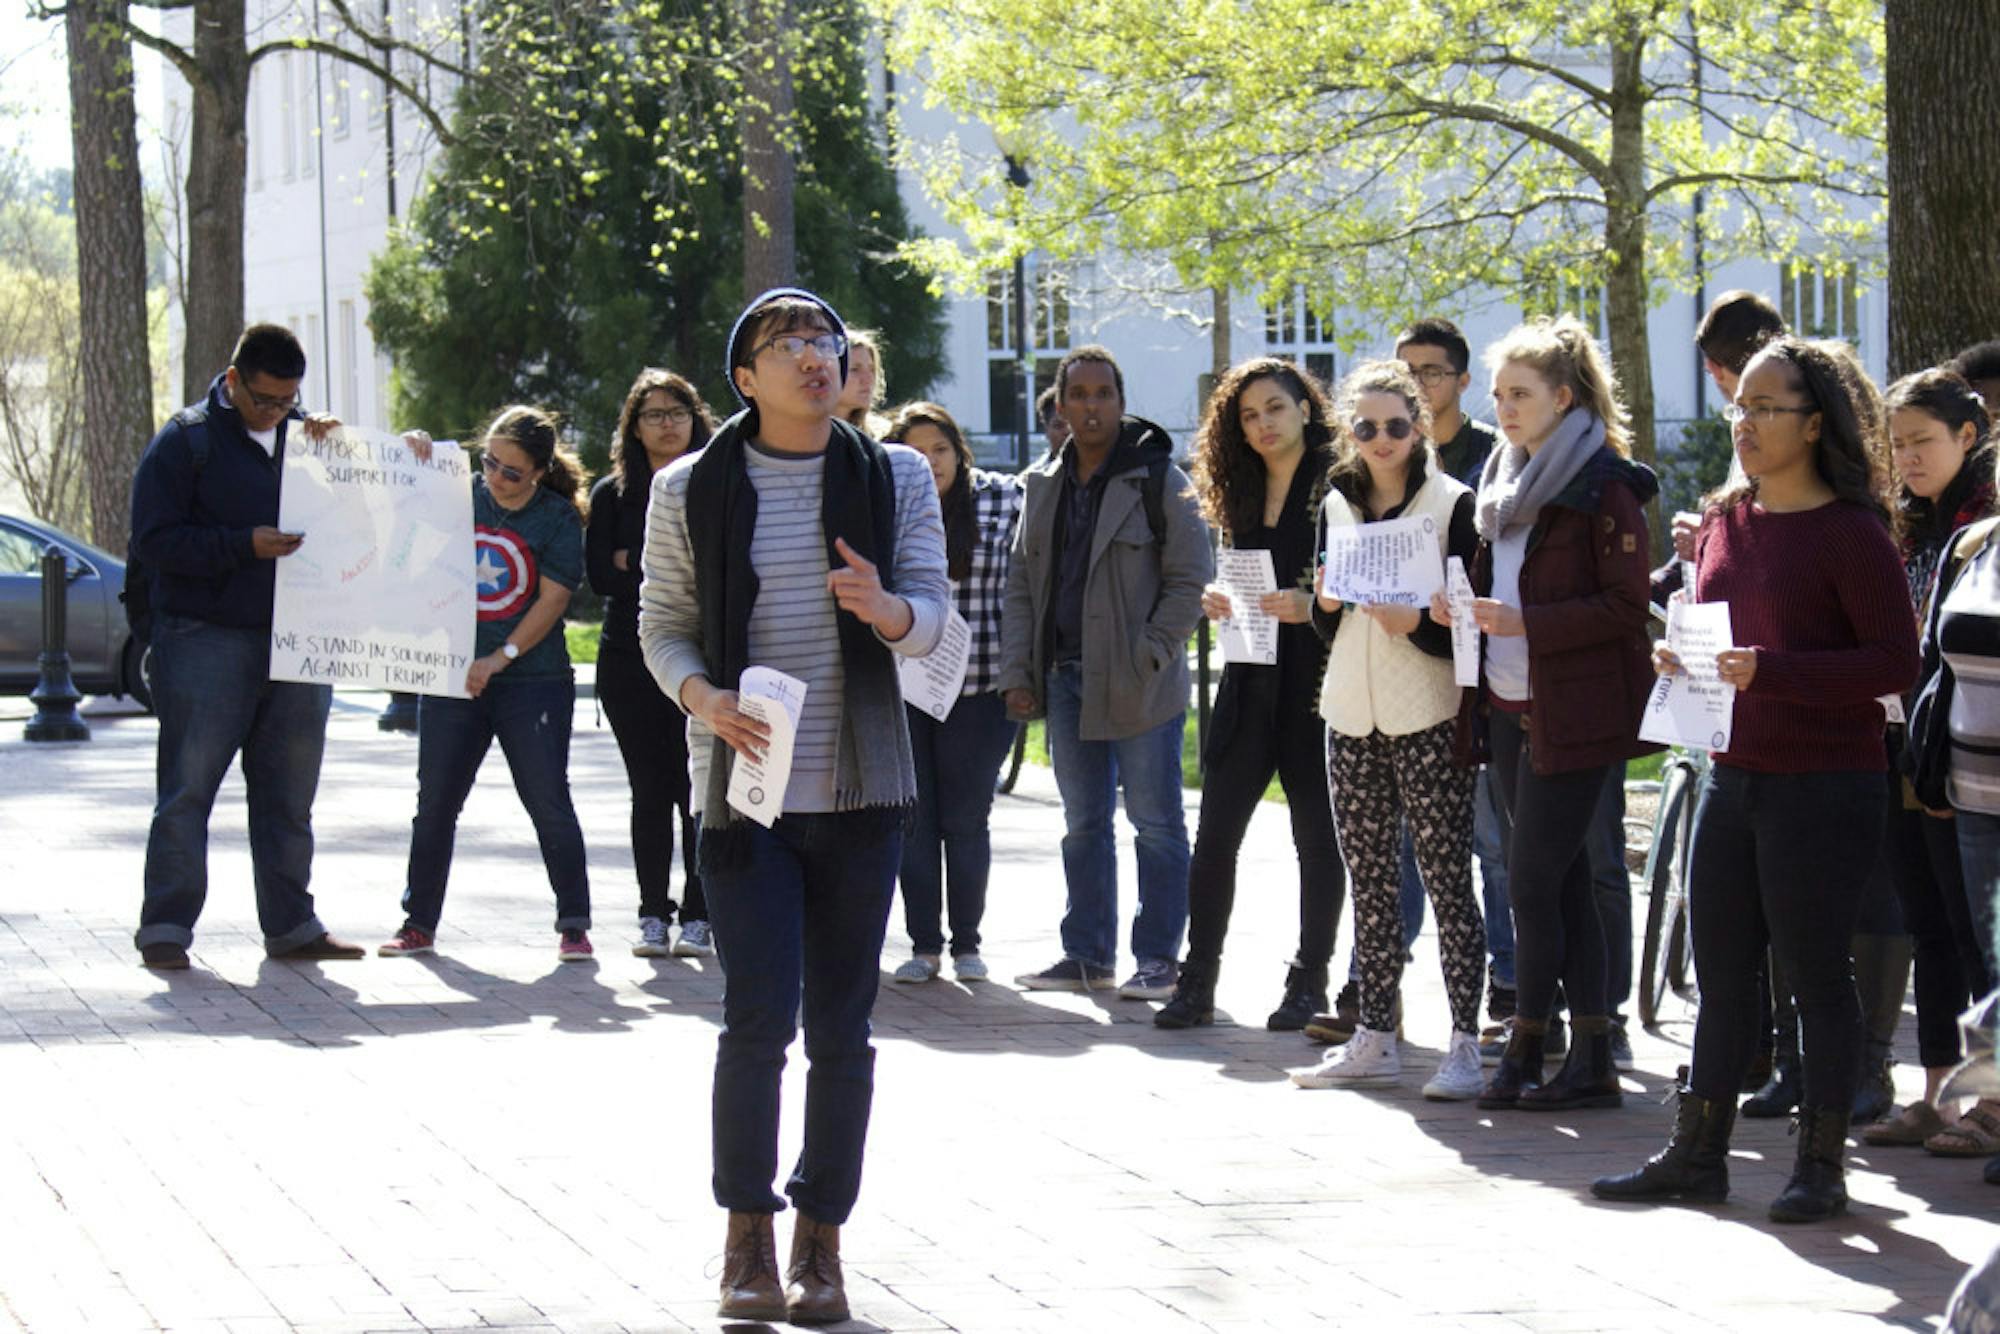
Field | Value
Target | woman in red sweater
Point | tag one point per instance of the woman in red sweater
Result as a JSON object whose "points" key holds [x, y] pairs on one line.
{"points": [[1792, 822]]}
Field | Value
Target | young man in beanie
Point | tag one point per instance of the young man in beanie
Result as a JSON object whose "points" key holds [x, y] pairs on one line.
{"points": [[794, 542]]}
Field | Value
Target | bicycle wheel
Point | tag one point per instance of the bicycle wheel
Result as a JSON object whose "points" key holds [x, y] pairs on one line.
{"points": [[1664, 899], [1020, 753], [1680, 939]]}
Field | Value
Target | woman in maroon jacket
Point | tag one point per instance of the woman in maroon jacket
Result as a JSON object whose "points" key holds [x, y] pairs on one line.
{"points": [[1791, 824], [1562, 576]]}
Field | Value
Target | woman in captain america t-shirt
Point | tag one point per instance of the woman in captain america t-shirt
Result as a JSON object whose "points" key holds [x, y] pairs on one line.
{"points": [[527, 514]]}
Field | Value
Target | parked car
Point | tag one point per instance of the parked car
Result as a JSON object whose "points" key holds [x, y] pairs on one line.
{"points": [[104, 657]]}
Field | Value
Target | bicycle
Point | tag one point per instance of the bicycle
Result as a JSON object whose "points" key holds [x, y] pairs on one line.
{"points": [[1666, 960]]}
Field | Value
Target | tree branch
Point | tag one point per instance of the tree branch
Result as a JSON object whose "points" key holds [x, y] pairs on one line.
{"points": [[386, 41], [355, 58], [1592, 164]]}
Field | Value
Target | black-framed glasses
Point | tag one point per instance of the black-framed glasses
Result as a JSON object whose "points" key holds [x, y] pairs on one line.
{"points": [[793, 346], [511, 473], [661, 416], [1762, 415], [272, 402], [1433, 376], [1399, 428]]}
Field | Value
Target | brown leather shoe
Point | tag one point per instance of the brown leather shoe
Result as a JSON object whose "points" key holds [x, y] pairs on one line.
{"points": [[750, 1288], [815, 1292], [323, 946]]}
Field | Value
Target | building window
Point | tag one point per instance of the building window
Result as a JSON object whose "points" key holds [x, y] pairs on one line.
{"points": [[1294, 331], [1561, 298], [288, 111], [1049, 338], [1817, 304], [256, 128], [318, 372], [343, 102], [350, 364]]}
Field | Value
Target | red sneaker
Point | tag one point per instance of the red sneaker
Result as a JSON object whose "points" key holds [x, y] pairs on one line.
{"points": [[573, 947], [410, 940]]}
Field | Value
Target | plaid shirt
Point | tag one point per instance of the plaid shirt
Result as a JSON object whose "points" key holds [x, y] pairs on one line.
{"points": [[996, 510]]}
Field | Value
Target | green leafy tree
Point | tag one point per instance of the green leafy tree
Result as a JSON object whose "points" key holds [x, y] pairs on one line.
{"points": [[587, 219], [1391, 158]]}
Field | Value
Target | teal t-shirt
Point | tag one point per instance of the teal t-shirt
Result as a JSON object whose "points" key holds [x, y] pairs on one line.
{"points": [[513, 552]]}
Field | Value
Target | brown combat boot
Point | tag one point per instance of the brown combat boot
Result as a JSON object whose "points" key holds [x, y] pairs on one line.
{"points": [[750, 1288], [815, 1292]]}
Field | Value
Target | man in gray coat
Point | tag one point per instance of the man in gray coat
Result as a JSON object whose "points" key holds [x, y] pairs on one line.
{"points": [[1109, 561]]}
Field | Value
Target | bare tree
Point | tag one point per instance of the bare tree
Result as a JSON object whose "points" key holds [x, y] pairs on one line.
{"points": [[111, 353], [40, 401], [1943, 63]]}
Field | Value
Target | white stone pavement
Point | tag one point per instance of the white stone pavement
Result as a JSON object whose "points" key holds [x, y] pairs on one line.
{"points": [[491, 1139]]}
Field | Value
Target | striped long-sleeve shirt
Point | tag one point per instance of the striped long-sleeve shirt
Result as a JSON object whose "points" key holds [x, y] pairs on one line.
{"points": [[792, 626]]}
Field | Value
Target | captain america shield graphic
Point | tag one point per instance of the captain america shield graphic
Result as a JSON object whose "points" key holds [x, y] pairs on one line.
{"points": [[506, 572]]}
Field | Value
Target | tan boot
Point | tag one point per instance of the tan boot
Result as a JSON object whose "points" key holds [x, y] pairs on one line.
{"points": [[815, 1292], [750, 1288]]}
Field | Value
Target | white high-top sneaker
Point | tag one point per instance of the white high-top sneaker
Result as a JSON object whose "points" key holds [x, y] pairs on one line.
{"points": [[1368, 1060], [1458, 1076]]}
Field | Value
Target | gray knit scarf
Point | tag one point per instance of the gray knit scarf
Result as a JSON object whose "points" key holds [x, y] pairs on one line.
{"points": [[1513, 487]]}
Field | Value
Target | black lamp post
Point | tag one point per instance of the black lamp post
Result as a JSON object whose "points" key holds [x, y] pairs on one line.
{"points": [[1024, 337], [55, 694]]}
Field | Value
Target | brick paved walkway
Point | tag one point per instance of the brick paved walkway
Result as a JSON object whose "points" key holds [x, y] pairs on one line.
{"points": [[490, 1139]]}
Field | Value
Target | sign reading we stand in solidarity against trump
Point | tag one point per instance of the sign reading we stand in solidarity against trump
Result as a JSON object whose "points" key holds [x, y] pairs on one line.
{"points": [[385, 587]]}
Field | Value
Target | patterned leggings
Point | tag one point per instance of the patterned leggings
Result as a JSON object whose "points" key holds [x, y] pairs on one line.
{"points": [[1379, 781]]}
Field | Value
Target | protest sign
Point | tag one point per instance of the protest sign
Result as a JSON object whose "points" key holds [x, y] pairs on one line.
{"points": [[380, 592], [1396, 561], [757, 787], [1693, 707], [1250, 634], [933, 682]]}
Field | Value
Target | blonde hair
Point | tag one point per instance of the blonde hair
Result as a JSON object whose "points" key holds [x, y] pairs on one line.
{"points": [[1567, 355]]}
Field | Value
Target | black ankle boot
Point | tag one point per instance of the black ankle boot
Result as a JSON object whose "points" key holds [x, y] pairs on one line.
{"points": [[1818, 1188], [1520, 1066], [1875, 1095], [1587, 1078], [1193, 1002], [1305, 996], [1780, 1093], [1695, 1164]]}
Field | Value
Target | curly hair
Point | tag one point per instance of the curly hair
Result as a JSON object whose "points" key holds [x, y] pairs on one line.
{"points": [[1350, 469], [1852, 454], [1228, 475], [1566, 354], [628, 454]]}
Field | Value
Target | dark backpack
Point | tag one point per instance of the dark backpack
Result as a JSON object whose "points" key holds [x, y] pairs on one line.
{"points": [[1153, 495], [138, 592]]}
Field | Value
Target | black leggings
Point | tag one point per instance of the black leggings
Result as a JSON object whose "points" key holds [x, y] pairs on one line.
{"points": [[1950, 970], [1558, 936], [1781, 860], [1240, 767], [652, 736]]}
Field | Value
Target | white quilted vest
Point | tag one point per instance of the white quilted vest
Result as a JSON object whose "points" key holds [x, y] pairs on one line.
{"points": [[1376, 681]]}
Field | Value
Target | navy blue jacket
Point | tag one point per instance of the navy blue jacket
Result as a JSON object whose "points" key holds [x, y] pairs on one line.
{"points": [[193, 532]]}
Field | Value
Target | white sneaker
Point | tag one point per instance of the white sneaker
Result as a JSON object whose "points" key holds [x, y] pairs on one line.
{"points": [[696, 942], [970, 968], [1368, 1060], [917, 968], [1458, 1076], [652, 939]]}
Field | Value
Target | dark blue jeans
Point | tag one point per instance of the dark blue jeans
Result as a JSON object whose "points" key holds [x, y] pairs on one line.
{"points": [[531, 718], [799, 912], [957, 762], [214, 696]]}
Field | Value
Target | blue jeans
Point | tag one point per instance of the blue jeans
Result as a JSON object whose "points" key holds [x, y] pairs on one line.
{"points": [[799, 912], [1487, 847], [957, 763], [214, 696], [1089, 775], [1979, 853], [531, 718]]}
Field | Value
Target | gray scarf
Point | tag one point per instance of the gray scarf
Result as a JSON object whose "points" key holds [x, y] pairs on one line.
{"points": [[1513, 487]]}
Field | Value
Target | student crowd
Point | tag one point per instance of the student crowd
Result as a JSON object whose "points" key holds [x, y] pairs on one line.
{"points": [[1833, 842]]}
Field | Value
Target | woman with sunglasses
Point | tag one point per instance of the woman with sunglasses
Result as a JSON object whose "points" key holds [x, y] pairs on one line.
{"points": [[1561, 584], [1260, 466], [1389, 701], [1789, 828], [527, 516], [663, 418]]}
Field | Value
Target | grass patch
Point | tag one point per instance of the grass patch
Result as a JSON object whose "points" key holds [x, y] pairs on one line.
{"points": [[582, 641], [1038, 753]]}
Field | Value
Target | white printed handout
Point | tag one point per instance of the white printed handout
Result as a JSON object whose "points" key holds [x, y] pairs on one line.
{"points": [[381, 591], [1464, 630], [1396, 561], [933, 682], [1251, 633], [757, 787], [1694, 707]]}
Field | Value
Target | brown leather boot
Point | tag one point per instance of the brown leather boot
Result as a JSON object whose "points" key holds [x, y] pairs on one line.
{"points": [[750, 1288], [815, 1292]]}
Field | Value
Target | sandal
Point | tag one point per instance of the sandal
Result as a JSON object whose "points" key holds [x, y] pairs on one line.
{"points": [[1913, 1125], [1977, 1135]]}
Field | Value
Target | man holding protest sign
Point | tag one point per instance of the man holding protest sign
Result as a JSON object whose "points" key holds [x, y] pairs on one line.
{"points": [[205, 524]]}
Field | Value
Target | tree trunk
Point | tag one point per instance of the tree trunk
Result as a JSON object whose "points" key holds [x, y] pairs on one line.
{"points": [[770, 256], [1943, 65], [217, 158], [116, 374], [1625, 296], [1218, 332]]}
